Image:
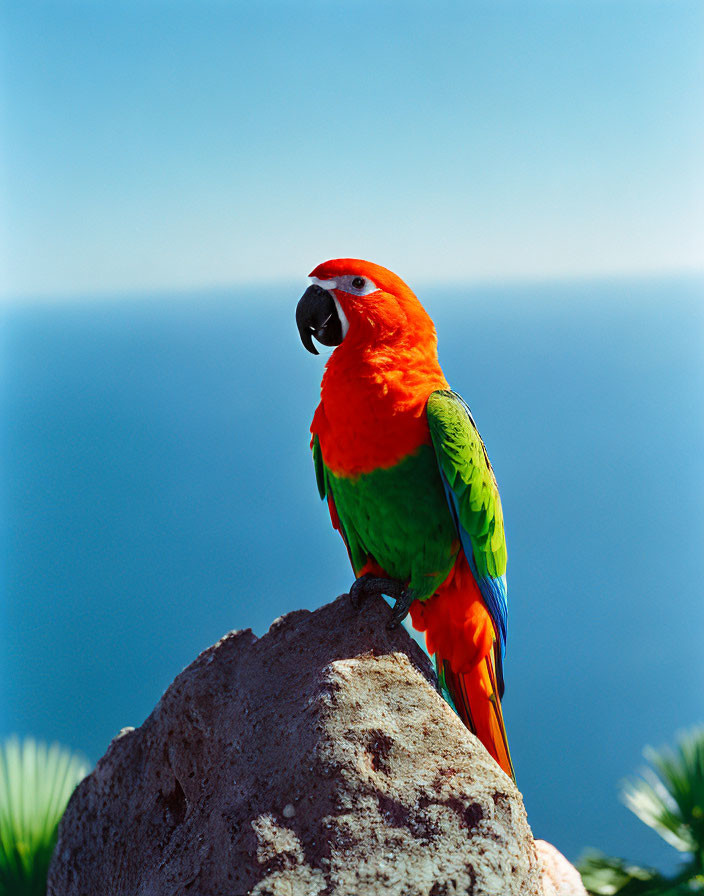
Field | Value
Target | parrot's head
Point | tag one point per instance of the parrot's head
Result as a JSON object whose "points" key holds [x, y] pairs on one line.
{"points": [[362, 304]]}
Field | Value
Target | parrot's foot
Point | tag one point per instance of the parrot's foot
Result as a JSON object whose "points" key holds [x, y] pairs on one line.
{"points": [[370, 584], [400, 609]]}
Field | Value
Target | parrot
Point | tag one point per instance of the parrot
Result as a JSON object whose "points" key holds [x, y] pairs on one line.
{"points": [[408, 482]]}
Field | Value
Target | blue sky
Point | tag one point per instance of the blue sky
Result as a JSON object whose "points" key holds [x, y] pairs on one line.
{"points": [[158, 146]]}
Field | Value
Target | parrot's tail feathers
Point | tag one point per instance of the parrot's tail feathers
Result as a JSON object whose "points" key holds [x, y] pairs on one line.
{"points": [[475, 697]]}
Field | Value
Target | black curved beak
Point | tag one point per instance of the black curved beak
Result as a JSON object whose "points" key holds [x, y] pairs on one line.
{"points": [[316, 315]]}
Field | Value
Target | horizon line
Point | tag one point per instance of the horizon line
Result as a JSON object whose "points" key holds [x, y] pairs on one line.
{"points": [[148, 293]]}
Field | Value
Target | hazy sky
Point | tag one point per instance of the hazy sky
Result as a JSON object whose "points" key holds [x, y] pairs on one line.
{"points": [[156, 145]]}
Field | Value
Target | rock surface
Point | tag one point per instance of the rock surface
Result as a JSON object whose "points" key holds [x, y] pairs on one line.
{"points": [[560, 878], [317, 760]]}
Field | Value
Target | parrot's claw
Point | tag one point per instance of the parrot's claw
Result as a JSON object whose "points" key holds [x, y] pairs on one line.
{"points": [[369, 584], [400, 609]]}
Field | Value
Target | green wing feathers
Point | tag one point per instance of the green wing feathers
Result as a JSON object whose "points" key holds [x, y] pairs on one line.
{"points": [[319, 467], [324, 490], [464, 462]]}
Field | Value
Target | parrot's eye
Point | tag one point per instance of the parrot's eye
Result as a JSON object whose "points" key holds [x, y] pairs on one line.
{"points": [[357, 286]]}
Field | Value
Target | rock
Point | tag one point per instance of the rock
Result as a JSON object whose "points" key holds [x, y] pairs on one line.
{"points": [[560, 878], [317, 760]]}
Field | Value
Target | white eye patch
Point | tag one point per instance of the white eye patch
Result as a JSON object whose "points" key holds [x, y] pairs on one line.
{"points": [[356, 285], [325, 284]]}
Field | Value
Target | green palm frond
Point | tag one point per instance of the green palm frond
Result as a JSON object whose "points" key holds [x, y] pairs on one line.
{"points": [[669, 797], [605, 876], [672, 801], [36, 782]]}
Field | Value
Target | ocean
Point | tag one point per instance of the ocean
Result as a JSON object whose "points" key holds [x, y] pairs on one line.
{"points": [[158, 492]]}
